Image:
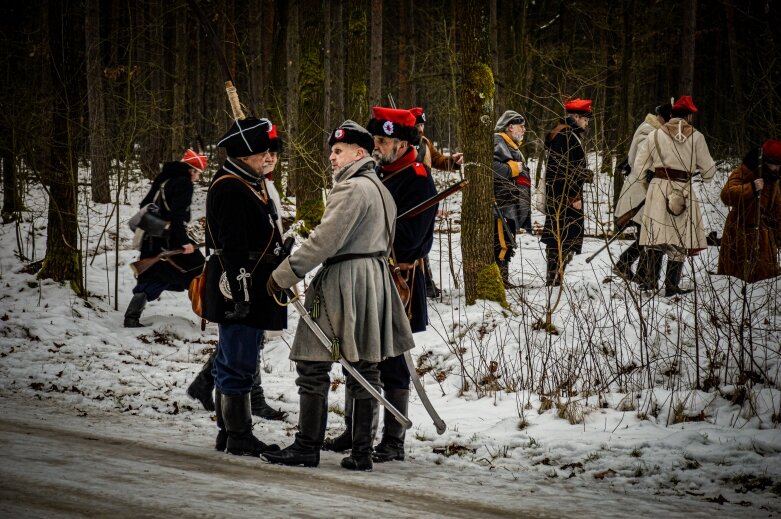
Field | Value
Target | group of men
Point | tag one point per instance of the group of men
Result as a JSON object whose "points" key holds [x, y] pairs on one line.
{"points": [[377, 174]]}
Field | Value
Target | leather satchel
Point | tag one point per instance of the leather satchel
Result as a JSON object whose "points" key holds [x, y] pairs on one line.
{"points": [[197, 292]]}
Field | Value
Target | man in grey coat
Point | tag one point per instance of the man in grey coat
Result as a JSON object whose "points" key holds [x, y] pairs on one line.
{"points": [[352, 298]]}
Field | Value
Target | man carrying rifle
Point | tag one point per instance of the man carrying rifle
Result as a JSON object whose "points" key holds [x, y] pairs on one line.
{"points": [[633, 192], [172, 193], [246, 247], [352, 299]]}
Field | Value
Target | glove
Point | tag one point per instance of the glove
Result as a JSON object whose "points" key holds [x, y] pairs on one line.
{"points": [[272, 287], [240, 311]]}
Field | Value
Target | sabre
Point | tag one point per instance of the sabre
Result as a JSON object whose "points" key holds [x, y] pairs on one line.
{"points": [[326, 342]]}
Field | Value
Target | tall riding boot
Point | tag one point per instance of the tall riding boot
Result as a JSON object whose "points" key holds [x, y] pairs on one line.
{"points": [[432, 291], [653, 265], [261, 408], [221, 443], [391, 447], [201, 388], [238, 423], [305, 450], [134, 309], [552, 277], [623, 267], [672, 279], [344, 441], [360, 457], [504, 269]]}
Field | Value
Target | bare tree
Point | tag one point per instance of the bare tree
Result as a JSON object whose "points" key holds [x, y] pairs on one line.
{"points": [[688, 33], [375, 77], [99, 158]]}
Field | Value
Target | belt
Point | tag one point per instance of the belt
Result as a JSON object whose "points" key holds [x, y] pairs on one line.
{"points": [[254, 255], [409, 266], [676, 175], [347, 257]]}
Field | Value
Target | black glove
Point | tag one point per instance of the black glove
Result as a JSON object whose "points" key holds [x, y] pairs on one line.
{"points": [[272, 287], [240, 311]]}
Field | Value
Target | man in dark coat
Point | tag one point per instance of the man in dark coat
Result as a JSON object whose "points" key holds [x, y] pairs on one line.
{"points": [[752, 232], [565, 174], [202, 386], [246, 246], [172, 192], [410, 183], [512, 188]]}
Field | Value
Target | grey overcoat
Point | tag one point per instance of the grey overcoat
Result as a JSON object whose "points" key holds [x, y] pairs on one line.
{"points": [[358, 301]]}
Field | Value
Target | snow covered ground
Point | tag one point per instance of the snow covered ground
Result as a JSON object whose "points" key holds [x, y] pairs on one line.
{"points": [[600, 420]]}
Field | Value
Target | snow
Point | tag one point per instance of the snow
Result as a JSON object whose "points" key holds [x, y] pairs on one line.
{"points": [[620, 429]]}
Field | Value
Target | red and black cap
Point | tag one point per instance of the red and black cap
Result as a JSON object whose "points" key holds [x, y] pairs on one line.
{"points": [[579, 106], [197, 161], [394, 123], [351, 132], [420, 115], [683, 107], [771, 151], [275, 141]]}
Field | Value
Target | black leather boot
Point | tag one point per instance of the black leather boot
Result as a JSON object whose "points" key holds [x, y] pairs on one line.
{"points": [[653, 265], [360, 457], [672, 279], [238, 423], [392, 445], [305, 450], [201, 388], [432, 291], [261, 408], [552, 277], [344, 441], [221, 443], [134, 309]]}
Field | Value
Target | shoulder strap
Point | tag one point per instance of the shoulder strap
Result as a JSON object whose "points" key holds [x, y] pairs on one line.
{"points": [[388, 226], [161, 193]]}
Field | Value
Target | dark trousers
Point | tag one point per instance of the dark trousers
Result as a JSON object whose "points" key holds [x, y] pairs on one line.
{"points": [[314, 378], [394, 373], [152, 289], [236, 361]]}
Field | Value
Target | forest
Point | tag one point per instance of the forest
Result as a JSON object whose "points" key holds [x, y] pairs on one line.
{"points": [[119, 87]]}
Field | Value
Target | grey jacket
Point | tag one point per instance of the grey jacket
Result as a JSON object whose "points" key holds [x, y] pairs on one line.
{"points": [[357, 299]]}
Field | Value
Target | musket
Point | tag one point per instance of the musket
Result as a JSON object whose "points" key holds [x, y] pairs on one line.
{"points": [[327, 344], [621, 223], [431, 202], [142, 265]]}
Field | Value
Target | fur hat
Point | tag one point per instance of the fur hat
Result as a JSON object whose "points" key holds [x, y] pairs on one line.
{"points": [[247, 137], [509, 117], [197, 161], [394, 123], [351, 132]]}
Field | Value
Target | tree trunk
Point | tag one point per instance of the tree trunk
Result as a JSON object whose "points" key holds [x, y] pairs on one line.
{"points": [[63, 259], [482, 279], [310, 172], [11, 205], [357, 63], [151, 152], [100, 166], [181, 74], [328, 65], [293, 45], [686, 77], [404, 23], [375, 77], [623, 99], [493, 35]]}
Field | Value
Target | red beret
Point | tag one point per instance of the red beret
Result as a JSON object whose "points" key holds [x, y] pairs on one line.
{"points": [[771, 149], [392, 122], [685, 104], [578, 106], [195, 160]]}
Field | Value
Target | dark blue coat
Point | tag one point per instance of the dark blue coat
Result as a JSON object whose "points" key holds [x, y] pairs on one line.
{"points": [[174, 202], [239, 228], [410, 186]]}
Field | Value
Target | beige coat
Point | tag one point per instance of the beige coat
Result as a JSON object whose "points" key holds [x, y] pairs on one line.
{"points": [[635, 188], [676, 145], [358, 302]]}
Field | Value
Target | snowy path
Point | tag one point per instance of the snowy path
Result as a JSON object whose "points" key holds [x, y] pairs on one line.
{"points": [[60, 463]]}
